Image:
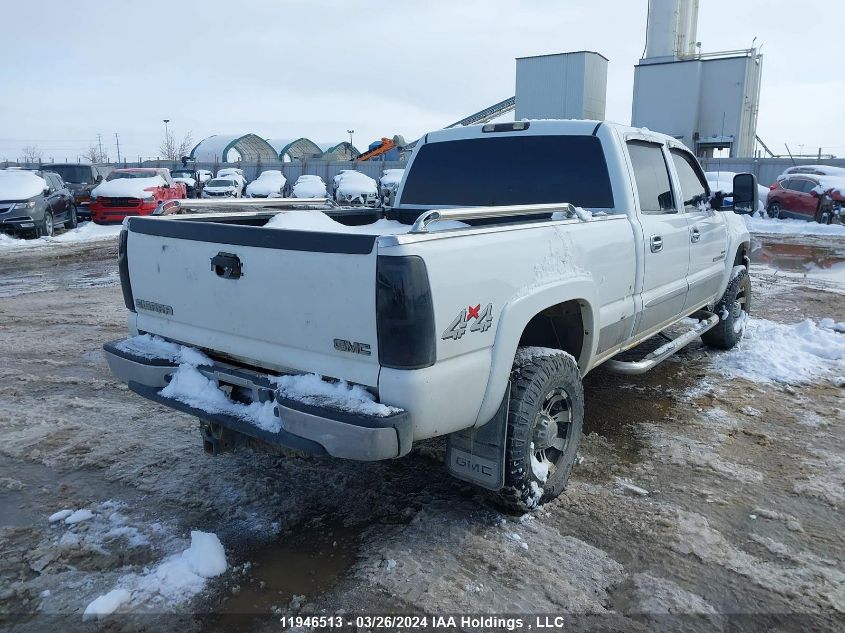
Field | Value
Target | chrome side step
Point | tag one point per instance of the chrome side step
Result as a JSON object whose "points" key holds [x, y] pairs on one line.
{"points": [[632, 368]]}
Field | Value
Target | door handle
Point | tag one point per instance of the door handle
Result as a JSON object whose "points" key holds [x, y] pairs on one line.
{"points": [[656, 243], [695, 235]]}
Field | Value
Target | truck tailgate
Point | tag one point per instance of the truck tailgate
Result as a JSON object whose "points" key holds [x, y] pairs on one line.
{"points": [[289, 300]]}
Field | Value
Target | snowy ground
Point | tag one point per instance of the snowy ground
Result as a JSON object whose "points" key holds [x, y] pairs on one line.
{"points": [[714, 485], [86, 232]]}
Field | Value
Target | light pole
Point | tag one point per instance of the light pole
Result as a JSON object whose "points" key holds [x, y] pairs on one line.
{"points": [[167, 142], [350, 132]]}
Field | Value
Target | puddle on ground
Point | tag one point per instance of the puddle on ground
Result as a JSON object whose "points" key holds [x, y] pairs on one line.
{"points": [[823, 262], [307, 562]]}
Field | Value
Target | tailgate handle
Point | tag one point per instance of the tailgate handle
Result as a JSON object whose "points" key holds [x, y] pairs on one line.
{"points": [[227, 265]]}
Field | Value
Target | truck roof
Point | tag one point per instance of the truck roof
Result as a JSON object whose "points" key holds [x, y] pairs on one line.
{"points": [[541, 127]]}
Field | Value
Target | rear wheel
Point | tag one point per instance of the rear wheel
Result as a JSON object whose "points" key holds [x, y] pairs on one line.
{"points": [[545, 419], [774, 210], [733, 310]]}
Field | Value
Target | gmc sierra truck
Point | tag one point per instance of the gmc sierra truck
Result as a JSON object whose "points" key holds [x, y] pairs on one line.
{"points": [[518, 257]]}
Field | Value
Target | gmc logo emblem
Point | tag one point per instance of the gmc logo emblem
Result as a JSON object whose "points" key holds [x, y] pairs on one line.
{"points": [[473, 467], [342, 345]]}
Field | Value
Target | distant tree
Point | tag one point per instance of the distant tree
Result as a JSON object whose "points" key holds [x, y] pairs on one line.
{"points": [[94, 155], [32, 154], [171, 150]]}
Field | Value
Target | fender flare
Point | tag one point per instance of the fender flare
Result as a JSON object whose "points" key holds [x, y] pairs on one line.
{"points": [[515, 316]]}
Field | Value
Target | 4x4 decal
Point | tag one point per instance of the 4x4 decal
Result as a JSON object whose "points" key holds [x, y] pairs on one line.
{"points": [[458, 327]]}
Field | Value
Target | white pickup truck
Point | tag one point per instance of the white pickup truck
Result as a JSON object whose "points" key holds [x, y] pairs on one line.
{"points": [[518, 257]]}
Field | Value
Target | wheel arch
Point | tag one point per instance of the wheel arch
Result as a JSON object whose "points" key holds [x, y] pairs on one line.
{"points": [[572, 304]]}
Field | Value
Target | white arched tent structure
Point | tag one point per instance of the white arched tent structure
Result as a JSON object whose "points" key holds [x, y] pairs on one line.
{"points": [[295, 149], [219, 148]]}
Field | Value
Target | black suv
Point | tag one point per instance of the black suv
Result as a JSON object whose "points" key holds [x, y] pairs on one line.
{"points": [[29, 210], [80, 179], [192, 181]]}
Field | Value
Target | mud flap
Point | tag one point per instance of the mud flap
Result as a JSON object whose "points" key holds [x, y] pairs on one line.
{"points": [[477, 454]]}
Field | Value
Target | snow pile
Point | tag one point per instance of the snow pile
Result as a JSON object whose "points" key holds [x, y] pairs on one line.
{"points": [[830, 324], [61, 515], [176, 579], [309, 187], [824, 170], [319, 221], [791, 227], [270, 183], [792, 354], [79, 516], [151, 346], [190, 182], [313, 390], [106, 604], [188, 385], [391, 177], [85, 232], [20, 185], [127, 187]]}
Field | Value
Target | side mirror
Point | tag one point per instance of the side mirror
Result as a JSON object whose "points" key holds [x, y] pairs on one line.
{"points": [[745, 193]]}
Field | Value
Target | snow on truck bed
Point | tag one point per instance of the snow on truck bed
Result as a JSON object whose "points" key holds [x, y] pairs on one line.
{"points": [[319, 221]]}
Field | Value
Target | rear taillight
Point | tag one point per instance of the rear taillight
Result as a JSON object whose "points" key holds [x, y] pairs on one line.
{"points": [[123, 268], [405, 313]]}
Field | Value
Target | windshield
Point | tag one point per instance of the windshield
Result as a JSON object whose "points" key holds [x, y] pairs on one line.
{"points": [[217, 182], [76, 174], [140, 173], [182, 174], [510, 170]]}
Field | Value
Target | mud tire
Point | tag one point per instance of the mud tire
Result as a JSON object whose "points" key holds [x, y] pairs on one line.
{"points": [[736, 301], [537, 378]]}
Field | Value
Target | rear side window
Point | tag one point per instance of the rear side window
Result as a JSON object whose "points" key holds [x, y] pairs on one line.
{"points": [[691, 180], [652, 177], [510, 170]]}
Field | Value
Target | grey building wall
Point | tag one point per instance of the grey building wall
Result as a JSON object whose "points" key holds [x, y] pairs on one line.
{"points": [[561, 86]]}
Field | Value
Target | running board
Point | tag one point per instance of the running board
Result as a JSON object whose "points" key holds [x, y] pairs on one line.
{"points": [[632, 368]]}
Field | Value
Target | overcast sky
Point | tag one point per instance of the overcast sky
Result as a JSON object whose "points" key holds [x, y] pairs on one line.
{"points": [[315, 68]]}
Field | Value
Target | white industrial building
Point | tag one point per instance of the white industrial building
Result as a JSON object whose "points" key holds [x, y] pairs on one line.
{"points": [[707, 100]]}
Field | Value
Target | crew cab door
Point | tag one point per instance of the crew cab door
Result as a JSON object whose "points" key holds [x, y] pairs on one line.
{"points": [[707, 231], [666, 241]]}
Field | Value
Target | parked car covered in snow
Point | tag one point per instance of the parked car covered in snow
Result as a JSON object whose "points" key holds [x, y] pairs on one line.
{"points": [[808, 197], [80, 179], [722, 181], [269, 184], [133, 191], [191, 180], [308, 186], [34, 203], [355, 188], [233, 173], [223, 187], [389, 183]]}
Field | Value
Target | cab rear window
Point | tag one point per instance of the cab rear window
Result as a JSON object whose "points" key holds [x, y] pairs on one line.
{"points": [[510, 170]]}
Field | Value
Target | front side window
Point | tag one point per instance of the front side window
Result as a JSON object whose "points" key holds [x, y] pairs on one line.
{"points": [[694, 190], [652, 178]]}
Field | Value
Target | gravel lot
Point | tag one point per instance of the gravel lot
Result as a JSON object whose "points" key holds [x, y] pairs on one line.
{"points": [[700, 491]]}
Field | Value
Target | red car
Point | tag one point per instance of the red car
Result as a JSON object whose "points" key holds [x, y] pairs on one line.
{"points": [[807, 197], [133, 191]]}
